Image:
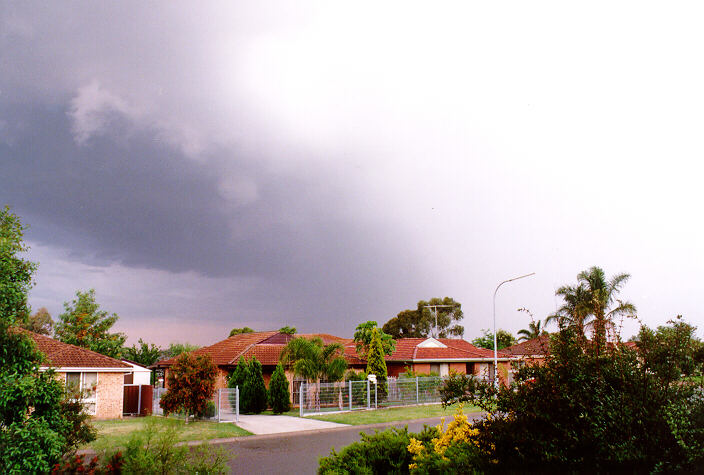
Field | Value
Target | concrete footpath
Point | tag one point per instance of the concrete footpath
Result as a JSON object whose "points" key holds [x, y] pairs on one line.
{"points": [[259, 424]]}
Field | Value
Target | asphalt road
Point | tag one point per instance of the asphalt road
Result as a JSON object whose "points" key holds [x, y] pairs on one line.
{"points": [[298, 452]]}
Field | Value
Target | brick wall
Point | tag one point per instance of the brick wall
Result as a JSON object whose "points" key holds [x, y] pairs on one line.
{"points": [[110, 392]]}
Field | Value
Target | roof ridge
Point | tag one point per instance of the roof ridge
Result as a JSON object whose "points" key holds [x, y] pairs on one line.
{"points": [[71, 345]]}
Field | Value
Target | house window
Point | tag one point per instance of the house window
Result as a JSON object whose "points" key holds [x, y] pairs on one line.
{"points": [[86, 384], [435, 369], [469, 368]]}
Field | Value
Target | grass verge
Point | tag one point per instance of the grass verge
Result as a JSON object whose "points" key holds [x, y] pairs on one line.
{"points": [[116, 433], [393, 414]]}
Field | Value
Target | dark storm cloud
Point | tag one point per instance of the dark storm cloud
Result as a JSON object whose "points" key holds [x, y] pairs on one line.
{"points": [[138, 202]]}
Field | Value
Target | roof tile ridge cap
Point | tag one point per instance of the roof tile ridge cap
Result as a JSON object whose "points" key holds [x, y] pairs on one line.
{"points": [[239, 355]]}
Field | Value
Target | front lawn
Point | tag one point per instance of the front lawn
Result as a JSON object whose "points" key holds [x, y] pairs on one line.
{"points": [[116, 433], [393, 414]]}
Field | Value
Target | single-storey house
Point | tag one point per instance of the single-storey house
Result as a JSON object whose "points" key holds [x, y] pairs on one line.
{"points": [[438, 356], [265, 346], [531, 351], [99, 377], [421, 355]]}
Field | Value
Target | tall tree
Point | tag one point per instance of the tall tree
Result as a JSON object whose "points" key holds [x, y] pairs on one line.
{"points": [[503, 339], [191, 382], [376, 364], [38, 421], [84, 324], [533, 331], [437, 317], [364, 334], [593, 304], [175, 349], [288, 330], [39, 322], [238, 331], [145, 354]]}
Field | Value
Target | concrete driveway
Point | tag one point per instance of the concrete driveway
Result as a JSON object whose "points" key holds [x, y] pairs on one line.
{"points": [[259, 424]]}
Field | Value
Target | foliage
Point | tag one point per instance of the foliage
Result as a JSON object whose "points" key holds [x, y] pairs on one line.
{"points": [[239, 331], [311, 359], [592, 303], [238, 376], [84, 324], [154, 451], [288, 330], [453, 450], [191, 383], [534, 329], [279, 394], [594, 409], [37, 423], [420, 323], [376, 364], [176, 349], [253, 394], [145, 354], [363, 338], [382, 452], [15, 272], [504, 339], [208, 412], [39, 322]]}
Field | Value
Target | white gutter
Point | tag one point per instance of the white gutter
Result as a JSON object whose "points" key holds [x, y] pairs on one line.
{"points": [[76, 369]]}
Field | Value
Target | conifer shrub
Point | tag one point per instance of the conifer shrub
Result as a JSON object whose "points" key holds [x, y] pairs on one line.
{"points": [[279, 395], [253, 394], [376, 364]]}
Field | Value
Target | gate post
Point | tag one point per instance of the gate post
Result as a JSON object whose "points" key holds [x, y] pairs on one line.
{"points": [[237, 404], [376, 401], [369, 402], [417, 396], [300, 397], [219, 404], [350, 381]]}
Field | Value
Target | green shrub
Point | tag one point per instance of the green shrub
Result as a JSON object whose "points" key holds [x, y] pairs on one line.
{"points": [[153, 451], [382, 452], [208, 412], [253, 394], [594, 409], [279, 395]]}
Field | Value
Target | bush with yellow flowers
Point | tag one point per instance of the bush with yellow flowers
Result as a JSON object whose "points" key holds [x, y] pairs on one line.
{"points": [[454, 450]]}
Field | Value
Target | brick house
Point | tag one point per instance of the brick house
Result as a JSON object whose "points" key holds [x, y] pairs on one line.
{"points": [[99, 377], [265, 346], [439, 356], [531, 351]]}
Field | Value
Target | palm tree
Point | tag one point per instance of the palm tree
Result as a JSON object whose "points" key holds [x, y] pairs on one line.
{"points": [[593, 304], [533, 331], [314, 361]]}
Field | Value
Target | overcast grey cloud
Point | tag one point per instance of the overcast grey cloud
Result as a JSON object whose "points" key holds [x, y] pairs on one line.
{"points": [[320, 164]]}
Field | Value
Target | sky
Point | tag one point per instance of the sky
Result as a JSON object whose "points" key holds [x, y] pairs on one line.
{"points": [[321, 164]]}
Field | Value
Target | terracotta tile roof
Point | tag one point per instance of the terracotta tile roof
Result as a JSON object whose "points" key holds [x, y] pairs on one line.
{"points": [[266, 346], [228, 351], [64, 355], [539, 346], [407, 350]]}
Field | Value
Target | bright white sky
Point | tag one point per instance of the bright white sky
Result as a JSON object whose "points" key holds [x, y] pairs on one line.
{"points": [[335, 162]]}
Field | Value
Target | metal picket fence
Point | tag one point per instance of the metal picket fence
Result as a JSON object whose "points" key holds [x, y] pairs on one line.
{"points": [[316, 398], [226, 402]]}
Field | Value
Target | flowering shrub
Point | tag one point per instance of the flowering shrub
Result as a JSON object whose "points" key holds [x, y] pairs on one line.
{"points": [[455, 449]]}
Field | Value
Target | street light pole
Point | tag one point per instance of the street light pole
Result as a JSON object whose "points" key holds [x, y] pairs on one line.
{"points": [[496, 358]]}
